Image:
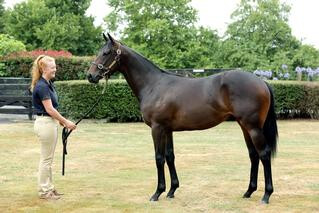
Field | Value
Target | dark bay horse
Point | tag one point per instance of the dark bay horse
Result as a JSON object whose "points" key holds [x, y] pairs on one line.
{"points": [[173, 103]]}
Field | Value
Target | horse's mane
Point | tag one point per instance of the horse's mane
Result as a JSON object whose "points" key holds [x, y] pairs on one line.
{"points": [[152, 63], [171, 73]]}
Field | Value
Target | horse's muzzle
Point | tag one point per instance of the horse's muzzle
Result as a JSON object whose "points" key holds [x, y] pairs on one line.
{"points": [[91, 79]]}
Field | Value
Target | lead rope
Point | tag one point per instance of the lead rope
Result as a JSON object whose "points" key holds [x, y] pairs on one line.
{"points": [[66, 132]]}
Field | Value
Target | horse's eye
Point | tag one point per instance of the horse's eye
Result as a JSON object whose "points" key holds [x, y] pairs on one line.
{"points": [[106, 53]]}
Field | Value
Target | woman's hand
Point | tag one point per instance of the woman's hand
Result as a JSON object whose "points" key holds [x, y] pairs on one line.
{"points": [[70, 125], [56, 115]]}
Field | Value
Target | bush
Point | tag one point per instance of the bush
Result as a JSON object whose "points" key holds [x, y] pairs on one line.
{"points": [[35, 53], [296, 99], [292, 100], [118, 104], [9, 45], [68, 68]]}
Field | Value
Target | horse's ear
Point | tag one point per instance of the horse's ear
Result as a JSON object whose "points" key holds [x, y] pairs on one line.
{"points": [[105, 38], [111, 39]]}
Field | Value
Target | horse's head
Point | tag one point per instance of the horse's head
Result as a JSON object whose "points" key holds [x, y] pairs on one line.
{"points": [[106, 62]]}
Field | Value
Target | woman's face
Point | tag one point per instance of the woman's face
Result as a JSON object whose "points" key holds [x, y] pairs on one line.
{"points": [[49, 70]]}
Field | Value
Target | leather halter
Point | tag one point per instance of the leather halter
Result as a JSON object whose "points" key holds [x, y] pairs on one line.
{"points": [[107, 70]]}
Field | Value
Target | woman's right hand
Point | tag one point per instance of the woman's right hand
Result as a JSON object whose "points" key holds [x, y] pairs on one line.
{"points": [[70, 125]]}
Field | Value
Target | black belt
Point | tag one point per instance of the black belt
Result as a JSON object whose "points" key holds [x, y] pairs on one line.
{"points": [[43, 114]]}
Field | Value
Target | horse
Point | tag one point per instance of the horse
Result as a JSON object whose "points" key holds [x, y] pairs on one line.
{"points": [[170, 102]]}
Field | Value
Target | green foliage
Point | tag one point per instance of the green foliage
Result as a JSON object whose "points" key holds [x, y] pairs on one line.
{"points": [[8, 45], [68, 68], [117, 105], [296, 99], [62, 7], [2, 70], [306, 56], [164, 32], [58, 25], [2, 18], [260, 37]]}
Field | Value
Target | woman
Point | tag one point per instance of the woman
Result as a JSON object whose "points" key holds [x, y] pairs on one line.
{"points": [[45, 102]]}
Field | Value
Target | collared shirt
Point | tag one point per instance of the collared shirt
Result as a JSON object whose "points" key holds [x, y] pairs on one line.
{"points": [[44, 90]]}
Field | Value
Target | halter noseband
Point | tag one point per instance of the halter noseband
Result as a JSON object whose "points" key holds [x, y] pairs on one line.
{"points": [[108, 69]]}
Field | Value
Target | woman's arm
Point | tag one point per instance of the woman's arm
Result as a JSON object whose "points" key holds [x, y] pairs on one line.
{"points": [[47, 103]]}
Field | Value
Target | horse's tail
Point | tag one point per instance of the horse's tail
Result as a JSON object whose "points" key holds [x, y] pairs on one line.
{"points": [[270, 125]]}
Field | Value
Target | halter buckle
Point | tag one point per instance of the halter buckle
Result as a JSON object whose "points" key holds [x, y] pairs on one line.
{"points": [[100, 66]]}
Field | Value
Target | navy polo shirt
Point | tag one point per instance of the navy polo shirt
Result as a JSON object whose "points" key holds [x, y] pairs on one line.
{"points": [[44, 90]]}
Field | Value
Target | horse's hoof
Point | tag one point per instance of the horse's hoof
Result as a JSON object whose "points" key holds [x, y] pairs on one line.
{"points": [[153, 198], [246, 195], [264, 201], [170, 196]]}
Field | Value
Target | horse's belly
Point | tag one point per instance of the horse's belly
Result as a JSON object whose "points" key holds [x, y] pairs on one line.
{"points": [[197, 120]]}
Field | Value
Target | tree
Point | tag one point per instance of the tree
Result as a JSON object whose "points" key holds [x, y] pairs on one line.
{"points": [[260, 35], [306, 56], [55, 24], [163, 31], [8, 45], [2, 11]]}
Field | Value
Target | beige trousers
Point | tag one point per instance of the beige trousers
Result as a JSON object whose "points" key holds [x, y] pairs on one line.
{"points": [[46, 128]]}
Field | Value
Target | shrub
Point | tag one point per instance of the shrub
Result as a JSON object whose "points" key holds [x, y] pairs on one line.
{"points": [[117, 105], [296, 99], [8, 45], [68, 68], [35, 53]]}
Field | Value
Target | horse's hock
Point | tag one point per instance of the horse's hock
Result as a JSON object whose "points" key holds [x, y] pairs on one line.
{"points": [[15, 96]]}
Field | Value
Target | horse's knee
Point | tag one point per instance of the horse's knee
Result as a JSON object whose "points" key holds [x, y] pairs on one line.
{"points": [[170, 157], [160, 160]]}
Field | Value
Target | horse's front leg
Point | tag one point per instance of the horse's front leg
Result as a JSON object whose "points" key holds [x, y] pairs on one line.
{"points": [[159, 137], [170, 158]]}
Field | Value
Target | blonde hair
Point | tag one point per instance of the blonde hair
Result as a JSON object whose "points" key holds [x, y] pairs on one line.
{"points": [[37, 69]]}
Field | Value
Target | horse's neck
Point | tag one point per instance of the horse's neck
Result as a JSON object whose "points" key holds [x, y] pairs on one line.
{"points": [[140, 74]]}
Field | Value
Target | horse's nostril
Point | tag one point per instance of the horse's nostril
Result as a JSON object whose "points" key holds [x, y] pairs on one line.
{"points": [[89, 76]]}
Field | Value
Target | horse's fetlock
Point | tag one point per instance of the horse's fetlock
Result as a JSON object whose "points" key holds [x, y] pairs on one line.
{"points": [[252, 187], [175, 183], [269, 189], [161, 188]]}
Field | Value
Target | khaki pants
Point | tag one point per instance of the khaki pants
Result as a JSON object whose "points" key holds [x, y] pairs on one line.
{"points": [[46, 128]]}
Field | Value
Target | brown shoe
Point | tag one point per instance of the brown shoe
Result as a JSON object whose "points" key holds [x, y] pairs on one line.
{"points": [[50, 196], [57, 193]]}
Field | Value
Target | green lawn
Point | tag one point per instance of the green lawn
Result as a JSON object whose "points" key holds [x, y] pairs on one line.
{"points": [[111, 168]]}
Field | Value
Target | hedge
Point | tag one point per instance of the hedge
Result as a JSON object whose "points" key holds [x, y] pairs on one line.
{"points": [[292, 100], [68, 68], [118, 103], [296, 99]]}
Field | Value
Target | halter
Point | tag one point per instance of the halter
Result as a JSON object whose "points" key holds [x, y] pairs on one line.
{"points": [[107, 70]]}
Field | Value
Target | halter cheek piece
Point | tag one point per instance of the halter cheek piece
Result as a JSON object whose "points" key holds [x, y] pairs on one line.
{"points": [[107, 70]]}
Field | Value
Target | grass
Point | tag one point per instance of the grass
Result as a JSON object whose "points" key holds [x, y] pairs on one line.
{"points": [[111, 168]]}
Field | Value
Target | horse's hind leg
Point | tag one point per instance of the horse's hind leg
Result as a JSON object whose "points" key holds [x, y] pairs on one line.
{"points": [[264, 153], [159, 135], [170, 158], [254, 159]]}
